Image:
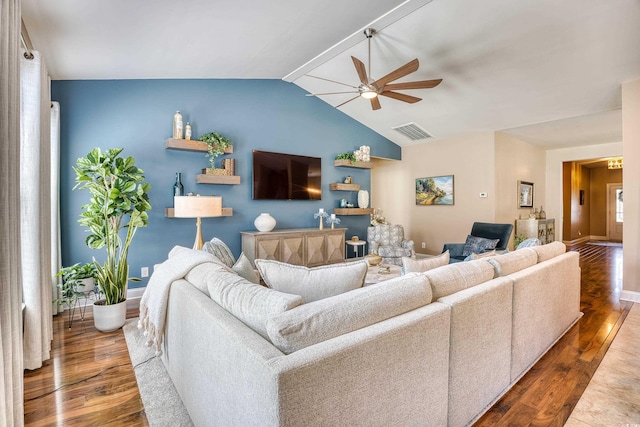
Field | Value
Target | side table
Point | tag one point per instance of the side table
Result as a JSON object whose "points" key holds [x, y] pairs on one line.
{"points": [[356, 247]]}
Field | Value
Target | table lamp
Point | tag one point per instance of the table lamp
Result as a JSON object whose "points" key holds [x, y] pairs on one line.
{"points": [[197, 207]]}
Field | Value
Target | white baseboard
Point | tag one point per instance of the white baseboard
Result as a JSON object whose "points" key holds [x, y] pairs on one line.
{"points": [[133, 297], [632, 296]]}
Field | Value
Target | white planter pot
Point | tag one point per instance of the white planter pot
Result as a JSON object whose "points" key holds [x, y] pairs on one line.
{"points": [[264, 222], [87, 285], [363, 199], [108, 318]]}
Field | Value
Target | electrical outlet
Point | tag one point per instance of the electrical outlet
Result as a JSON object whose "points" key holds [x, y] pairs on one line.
{"points": [[144, 272], [424, 245]]}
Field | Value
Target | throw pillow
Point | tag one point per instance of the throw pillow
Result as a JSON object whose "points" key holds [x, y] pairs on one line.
{"points": [[410, 265], [477, 245], [315, 283], [220, 250], [244, 268]]}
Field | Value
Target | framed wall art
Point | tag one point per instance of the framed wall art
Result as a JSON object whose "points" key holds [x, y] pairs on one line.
{"points": [[525, 194], [435, 190]]}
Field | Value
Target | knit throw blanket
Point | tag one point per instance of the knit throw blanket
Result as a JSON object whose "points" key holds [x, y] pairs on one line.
{"points": [[153, 304]]}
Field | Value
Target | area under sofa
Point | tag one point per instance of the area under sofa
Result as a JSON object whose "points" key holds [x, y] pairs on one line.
{"points": [[458, 337]]}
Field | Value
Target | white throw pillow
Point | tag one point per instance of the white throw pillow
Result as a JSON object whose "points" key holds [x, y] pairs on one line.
{"points": [[244, 268], [312, 284], [410, 265]]}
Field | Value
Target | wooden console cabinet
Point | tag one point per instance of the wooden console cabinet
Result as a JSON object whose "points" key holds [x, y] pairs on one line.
{"points": [[307, 246]]}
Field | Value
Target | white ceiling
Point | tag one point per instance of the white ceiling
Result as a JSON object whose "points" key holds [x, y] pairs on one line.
{"points": [[545, 71]]}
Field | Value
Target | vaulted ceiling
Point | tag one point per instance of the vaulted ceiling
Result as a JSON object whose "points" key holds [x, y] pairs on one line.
{"points": [[545, 71]]}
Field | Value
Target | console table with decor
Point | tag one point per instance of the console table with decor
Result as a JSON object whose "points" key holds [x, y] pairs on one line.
{"points": [[543, 229], [306, 246]]}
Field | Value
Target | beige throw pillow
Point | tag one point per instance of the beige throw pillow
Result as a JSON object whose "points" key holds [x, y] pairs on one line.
{"points": [[410, 265], [315, 283]]}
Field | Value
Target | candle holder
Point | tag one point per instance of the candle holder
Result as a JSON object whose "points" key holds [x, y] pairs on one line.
{"points": [[320, 214], [333, 221]]}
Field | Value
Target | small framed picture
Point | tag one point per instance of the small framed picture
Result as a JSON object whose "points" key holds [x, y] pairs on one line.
{"points": [[525, 194]]}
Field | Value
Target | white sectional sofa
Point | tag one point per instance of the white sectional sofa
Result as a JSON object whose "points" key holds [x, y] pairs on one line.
{"points": [[426, 349]]}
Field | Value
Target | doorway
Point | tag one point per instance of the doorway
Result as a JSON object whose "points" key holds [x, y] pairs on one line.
{"points": [[615, 212]]}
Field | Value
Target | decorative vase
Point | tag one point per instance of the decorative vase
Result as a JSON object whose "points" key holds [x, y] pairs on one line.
{"points": [[363, 199], [108, 318], [264, 222], [373, 259]]}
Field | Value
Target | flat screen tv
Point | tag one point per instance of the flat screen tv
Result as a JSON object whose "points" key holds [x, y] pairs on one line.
{"points": [[279, 176]]}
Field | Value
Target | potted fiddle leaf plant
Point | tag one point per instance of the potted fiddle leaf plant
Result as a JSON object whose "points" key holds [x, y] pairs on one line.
{"points": [[117, 208], [216, 145]]}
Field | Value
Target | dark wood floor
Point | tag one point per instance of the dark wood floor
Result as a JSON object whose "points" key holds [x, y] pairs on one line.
{"points": [[90, 381]]}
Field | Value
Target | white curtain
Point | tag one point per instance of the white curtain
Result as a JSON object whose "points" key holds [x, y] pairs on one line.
{"points": [[11, 353], [35, 209], [56, 261]]}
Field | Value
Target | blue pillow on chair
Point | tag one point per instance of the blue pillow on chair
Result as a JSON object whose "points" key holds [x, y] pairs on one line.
{"points": [[477, 245]]}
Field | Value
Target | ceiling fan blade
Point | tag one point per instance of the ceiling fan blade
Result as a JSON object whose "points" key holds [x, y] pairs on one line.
{"points": [[361, 70], [407, 68], [422, 84], [340, 105], [401, 96], [332, 81], [375, 103], [330, 93]]}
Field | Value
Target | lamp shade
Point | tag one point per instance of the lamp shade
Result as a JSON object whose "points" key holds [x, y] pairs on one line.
{"points": [[197, 206]]}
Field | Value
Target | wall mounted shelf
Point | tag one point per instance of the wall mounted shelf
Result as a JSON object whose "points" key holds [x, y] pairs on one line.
{"points": [[344, 187], [190, 145], [218, 179], [168, 212], [353, 211], [343, 163]]}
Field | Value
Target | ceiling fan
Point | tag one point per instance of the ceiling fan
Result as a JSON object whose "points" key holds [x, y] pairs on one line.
{"points": [[370, 89]]}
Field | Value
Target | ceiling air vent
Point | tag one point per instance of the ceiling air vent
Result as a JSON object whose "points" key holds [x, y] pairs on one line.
{"points": [[412, 131]]}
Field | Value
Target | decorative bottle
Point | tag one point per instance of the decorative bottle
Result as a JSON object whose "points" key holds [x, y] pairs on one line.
{"points": [[187, 131], [177, 125], [543, 214], [178, 188]]}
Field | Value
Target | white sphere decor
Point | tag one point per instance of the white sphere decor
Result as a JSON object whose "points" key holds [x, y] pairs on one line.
{"points": [[363, 199], [264, 222]]}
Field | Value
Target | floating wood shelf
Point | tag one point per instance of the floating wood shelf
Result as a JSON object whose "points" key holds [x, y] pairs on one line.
{"points": [[168, 212], [344, 187], [217, 179], [190, 145], [353, 211], [349, 164]]}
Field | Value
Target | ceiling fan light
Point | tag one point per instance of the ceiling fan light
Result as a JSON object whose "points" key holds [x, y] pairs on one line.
{"points": [[369, 94]]}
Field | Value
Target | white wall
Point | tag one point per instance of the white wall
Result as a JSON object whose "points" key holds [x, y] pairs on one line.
{"points": [[470, 158], [631, 184]]}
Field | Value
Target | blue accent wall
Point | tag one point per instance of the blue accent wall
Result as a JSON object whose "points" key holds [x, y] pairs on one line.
{"points": [[270, 115]]}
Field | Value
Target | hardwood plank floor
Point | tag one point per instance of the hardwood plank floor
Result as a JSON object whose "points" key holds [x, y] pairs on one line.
{"points": [[90, 381]]}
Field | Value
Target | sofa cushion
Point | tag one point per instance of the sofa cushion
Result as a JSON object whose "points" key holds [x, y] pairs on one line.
{"points": [[550, 250], [220, 250], [244, 268], [477, 245], [313, 283], [511, 262], [410, 265], [456, 277], [331, 317], [250, 303]]}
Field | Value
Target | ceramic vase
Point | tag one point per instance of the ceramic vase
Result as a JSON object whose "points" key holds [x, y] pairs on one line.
{"points": [[264, 222], [363, 199]]}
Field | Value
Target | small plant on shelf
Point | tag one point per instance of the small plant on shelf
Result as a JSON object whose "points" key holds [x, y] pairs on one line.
{"points": [[216, 144], [519, 238], [346, 156]]}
